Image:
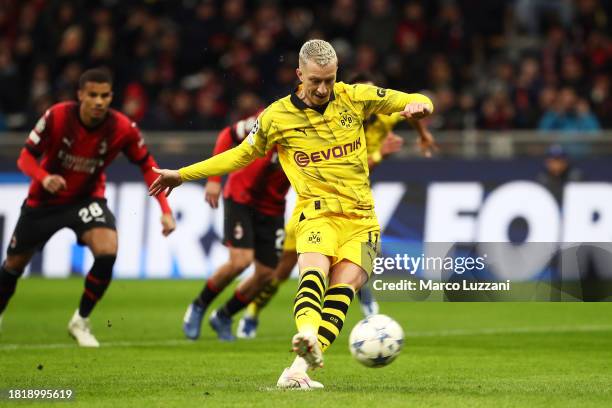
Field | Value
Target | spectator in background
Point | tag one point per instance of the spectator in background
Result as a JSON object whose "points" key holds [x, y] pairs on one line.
{"points": [[525, 94], [443, 45], [377, 28], [135, 103], [531, 14], [558, 171], [496, 112], [343, 20], [602, 99], [569, 113]]}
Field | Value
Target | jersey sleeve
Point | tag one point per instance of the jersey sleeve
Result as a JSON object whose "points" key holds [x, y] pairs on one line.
{"points": [[136, 151], [225, 141], [135, 148], [39, 137], [386, 101], [256, 144], [231, 136]]}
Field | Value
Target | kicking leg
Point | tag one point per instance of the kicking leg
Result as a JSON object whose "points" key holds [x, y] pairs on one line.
{"points": [[345, 279]]}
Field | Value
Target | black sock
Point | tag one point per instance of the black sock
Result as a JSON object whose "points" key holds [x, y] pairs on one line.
{"points": [[234, 305], [96, 283], [8, 283], [208, 294]]}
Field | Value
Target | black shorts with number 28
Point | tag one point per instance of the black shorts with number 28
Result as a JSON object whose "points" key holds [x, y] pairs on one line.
{"points": [[36, 225], [245, 227]]}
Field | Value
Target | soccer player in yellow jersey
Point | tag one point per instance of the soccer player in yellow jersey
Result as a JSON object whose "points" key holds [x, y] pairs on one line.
{"points": [[319, 134], [381, 141]]}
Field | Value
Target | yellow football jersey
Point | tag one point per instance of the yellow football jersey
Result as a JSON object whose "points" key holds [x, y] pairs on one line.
{"points": [[322, 150]]}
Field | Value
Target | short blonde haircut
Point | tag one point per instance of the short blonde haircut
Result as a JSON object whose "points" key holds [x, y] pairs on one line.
{"points": [[319, 51]]}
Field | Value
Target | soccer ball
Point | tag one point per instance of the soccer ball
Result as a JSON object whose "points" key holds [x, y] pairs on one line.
{"points": [[376, 341]]}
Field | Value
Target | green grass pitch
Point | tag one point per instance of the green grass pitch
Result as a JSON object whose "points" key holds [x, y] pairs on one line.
{"points": [[456, 354]]}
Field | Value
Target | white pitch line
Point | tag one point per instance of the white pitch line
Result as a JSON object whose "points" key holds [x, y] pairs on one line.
{"points": [[440, 333]]}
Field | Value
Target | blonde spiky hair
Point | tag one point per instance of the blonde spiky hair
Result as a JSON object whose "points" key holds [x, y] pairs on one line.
{"points": [[319, 51]]}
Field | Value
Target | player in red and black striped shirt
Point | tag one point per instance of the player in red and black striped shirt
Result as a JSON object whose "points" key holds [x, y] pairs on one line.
{"points": [[66, 155]]}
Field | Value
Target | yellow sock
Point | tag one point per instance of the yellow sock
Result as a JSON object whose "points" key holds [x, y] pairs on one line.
{"points": [[261, 300], [307, 304], [337, 300]]}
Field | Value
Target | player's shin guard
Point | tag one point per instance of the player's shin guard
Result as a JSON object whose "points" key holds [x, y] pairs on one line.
{"points": [[261, 300], [308, 300], [337, 300], [8, 283], [96, 283]]}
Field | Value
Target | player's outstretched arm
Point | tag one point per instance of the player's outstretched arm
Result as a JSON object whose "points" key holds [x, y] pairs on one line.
{"points": [[165, 182], [212, 191]]}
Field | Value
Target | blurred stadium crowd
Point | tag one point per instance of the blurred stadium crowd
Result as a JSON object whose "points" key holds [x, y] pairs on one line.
{"points": [[198, 64]]}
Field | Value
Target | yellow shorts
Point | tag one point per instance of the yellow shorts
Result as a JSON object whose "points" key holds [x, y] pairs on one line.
{"points": [[289, 244], [356, 239]]}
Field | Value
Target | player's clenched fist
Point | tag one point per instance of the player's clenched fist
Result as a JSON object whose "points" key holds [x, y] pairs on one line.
{"points": [[54, 183], [416, 110], [167, 180]]}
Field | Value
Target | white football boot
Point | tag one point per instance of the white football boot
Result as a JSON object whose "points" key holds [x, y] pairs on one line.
{"points": [[297, 380], [306, 345], [80, 329]]}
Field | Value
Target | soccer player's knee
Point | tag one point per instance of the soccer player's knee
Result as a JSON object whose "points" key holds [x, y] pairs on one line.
{"points": [[105, 249], [103, 243], [264, 274], [14, 266], [11, 273]]}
